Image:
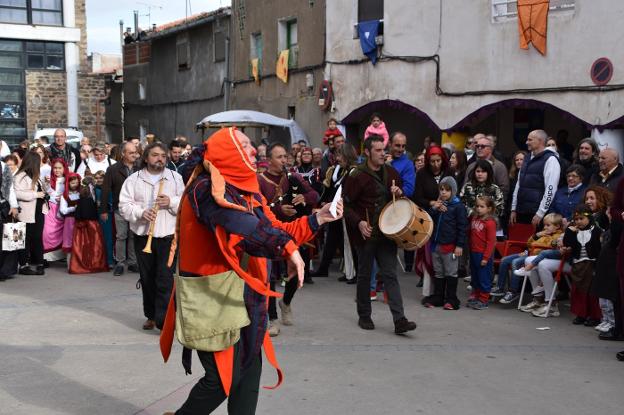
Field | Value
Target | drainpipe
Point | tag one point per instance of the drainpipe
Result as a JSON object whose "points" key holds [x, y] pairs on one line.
{"points": [[226, 94], [72, 65]]}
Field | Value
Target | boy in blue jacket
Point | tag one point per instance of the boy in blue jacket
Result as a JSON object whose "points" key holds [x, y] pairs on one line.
{"points": [[448, 240]]}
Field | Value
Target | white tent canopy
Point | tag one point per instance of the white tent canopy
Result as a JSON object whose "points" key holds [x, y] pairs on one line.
{"points": [[247, 118]]}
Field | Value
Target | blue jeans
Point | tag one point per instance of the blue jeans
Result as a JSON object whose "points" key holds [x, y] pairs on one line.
{"points": [[514, 284], [515, 261], [481, 276], [546, 254]]}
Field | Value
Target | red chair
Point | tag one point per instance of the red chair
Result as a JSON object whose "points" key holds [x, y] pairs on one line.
{"points": [[519, 234]]}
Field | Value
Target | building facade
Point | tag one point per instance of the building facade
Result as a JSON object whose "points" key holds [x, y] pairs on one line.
{"points": [[44, 75], [456, 66], [174, 76], [261, 30]]}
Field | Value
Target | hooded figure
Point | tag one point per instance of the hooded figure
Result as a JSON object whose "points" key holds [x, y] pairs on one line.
{"points": [[224, 215], [449, 234]]}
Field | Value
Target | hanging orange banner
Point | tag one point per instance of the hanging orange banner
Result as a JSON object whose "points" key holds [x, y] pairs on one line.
{"points": [[282, 66], [533, 23], [255, 72]]}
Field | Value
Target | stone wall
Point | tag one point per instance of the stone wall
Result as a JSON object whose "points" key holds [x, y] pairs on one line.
{"points": [[91, 88], [81, 23], [46, 100]]}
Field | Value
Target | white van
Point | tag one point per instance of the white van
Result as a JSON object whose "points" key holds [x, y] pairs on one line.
{"points": [[74, 136]]}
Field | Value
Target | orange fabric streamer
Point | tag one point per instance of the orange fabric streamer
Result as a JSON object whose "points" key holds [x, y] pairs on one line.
{"points": [[533, 23]]}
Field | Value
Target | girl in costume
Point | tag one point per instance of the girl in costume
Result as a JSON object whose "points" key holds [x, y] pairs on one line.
{"points": [[54, 221]]}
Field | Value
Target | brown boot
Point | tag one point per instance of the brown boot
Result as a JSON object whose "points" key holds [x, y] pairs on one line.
{"points": [[149, 325]]}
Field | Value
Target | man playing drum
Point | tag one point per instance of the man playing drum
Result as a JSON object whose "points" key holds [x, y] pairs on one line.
{"points": [[367, 190]]}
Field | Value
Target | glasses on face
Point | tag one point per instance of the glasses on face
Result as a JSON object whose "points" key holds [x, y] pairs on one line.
{"points": [[469, 143], [482, 146]]}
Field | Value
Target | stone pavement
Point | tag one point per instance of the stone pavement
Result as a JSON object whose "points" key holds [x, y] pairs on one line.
{"points": [[74, 345]]}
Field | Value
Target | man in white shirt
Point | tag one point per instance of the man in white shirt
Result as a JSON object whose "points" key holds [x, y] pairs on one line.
{"points": [[149, 200], [98, 161], [537, 181]]}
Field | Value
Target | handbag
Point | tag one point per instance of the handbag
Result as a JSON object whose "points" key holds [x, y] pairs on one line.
{"points": [[13, 236], [210, 311]]}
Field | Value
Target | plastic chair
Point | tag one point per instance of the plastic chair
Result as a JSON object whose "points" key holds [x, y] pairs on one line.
{"points": [[519, 234], [558, 275]]}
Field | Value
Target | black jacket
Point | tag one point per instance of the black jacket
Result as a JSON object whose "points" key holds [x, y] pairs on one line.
{"points": [[593, 247], [426, 188], [113, 180]]}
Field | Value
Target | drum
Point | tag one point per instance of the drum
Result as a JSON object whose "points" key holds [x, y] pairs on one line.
{"points": [[406, 224]]}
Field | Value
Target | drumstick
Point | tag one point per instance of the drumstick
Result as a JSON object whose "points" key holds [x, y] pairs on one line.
{"points": [[393, 196], [367, 218]]}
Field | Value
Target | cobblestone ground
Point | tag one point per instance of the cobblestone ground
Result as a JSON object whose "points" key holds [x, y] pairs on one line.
{"points": [[74, 345]]}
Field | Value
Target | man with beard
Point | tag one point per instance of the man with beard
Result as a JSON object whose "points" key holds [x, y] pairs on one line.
{"points": [[60, 150], [149, 200], [586, 155], [367, 189], [277, 187]]}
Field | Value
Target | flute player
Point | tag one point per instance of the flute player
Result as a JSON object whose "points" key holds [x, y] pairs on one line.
{"points": [[151, 196]]}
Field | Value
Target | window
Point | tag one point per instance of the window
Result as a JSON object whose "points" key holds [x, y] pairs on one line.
{"points": [[287, 38], [183, 51], [15, 58], [506, 9], [218, 41], [370, 10], [36, 12], [255, 51]]}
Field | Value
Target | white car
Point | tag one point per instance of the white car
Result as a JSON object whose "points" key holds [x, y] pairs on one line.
{"points": [[74, 136]]}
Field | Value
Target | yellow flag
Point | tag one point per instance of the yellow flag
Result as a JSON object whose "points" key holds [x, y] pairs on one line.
{"points": [[282, 66], [254, 70]]}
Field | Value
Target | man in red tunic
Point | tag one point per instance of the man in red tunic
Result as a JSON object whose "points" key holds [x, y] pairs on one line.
{"points": [[222, 217]]}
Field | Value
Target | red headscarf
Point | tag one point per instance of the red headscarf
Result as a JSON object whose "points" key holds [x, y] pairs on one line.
{"points": [[225, 153], [68, 179], [65, 172], [439, 151]]}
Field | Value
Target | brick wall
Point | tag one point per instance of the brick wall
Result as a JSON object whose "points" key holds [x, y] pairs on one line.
{"points": [[91, 88], [81, 23], [46, 99]]}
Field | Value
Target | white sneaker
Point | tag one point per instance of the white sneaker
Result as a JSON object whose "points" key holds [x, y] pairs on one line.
{"points": [[533, 305], [467, 279], [606, 326], [538, 290], [541, 312], [522, 272], [469, 287], [274, 328]]}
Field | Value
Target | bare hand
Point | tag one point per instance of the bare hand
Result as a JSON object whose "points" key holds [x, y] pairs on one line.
{"points": [[104, 217], [458, 252], [40, 195], [296, 267], [163, 201], [512, 218], [288, 210], [483, 262], [13, 212], [324, 216], [365, 229], [298, 200], [396, 190], [536, 220], [149, 215]]}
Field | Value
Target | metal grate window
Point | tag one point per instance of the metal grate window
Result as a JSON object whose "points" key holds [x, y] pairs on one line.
{"points": [[508, 9]]}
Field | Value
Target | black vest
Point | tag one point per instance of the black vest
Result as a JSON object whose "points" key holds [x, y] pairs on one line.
{"points": [[531, 190]]}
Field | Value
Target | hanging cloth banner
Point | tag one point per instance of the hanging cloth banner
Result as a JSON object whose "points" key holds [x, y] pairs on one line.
{"points": [[533, 23], [368, 32], [282, 66], [255, 71]]}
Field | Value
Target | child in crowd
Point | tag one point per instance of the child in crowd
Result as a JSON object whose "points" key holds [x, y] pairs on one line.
{"points": [[69, 201], [447, 246], [536, 252], [582, 241], [377, 127], [88, 254], [481, 183], [54, 221], [332, 131], [482, 244], [107, 226]]}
